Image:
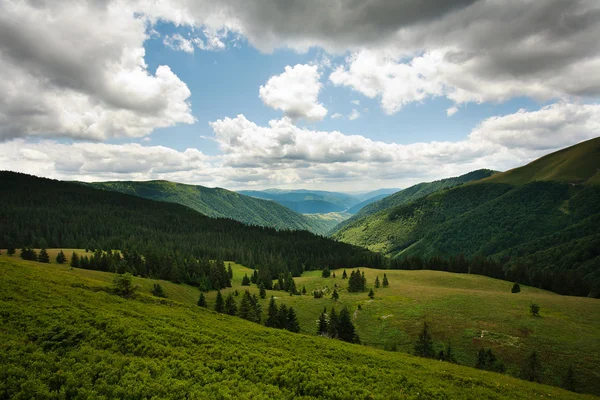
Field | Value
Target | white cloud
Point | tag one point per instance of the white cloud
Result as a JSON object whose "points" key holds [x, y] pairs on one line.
{"points": [[77, 69], [354, 114], [451, 111], [295, 92], [356, 102], [336, 116], [178, 42], [283, 154]]}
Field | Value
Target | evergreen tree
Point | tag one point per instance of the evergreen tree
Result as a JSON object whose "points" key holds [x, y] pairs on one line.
{"points": [[345, 327], [281, 283], [257, 309], [123, 285], [291, 285], [424, 345], [377, 282], [322, 325], [229, 271], [569, 381], [344, 275], [61, 258], [333, 275], [535, 310], [74, 260], [11, 251], [43, 257], [385, 281], [487, 360], [282, 317], [335, 296], [292, 321], [219, 303], [326, 273], [357, 281], [230, 306], [303, 290], [264, 277], [333, 324], [516, 288], [262, 291], [449, 356], [272, 314], [254, 277], [202, 301], [371, 294], [532, 369], [158, 291], [245, 280]]}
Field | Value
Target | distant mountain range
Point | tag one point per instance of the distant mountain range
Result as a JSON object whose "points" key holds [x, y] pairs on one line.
{"points": [[544, 216]]}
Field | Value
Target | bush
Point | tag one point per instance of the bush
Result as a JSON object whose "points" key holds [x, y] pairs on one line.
{"points": [[158, 291], [535, 310], [516, 288], [123, 285]]}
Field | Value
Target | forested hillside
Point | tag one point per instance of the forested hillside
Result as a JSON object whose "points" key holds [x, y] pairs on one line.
{"points": [[221, 203], [544, 233], [67, 336], [408, 195], [307, 201], [47, 213]]}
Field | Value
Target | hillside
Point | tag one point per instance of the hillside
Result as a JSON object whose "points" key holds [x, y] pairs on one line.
{"points": [[576, 164], [406, 196], [218, 203], [88, 343], [357, 207], [307, 201], [546, 233], [48, 213]]}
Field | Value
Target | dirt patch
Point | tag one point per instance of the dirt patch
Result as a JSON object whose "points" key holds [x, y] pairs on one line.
{"points": [[386, 316]]}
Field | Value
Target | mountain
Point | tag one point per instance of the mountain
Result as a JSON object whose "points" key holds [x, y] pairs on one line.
{"points": [[541, 221], [49, 213], [218, 203], [65, 335], [307, 201], [408, 195], [363, 196], [357, 207]]}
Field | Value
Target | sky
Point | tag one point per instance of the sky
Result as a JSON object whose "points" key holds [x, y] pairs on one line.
{"points": [[344, 95]]}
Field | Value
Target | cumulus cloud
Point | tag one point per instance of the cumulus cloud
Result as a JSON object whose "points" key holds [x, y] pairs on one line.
{"points": [[178, 42], [354, 114], [282, 153], [336, 116], [295, 92], [451, 111], [76, 69]]}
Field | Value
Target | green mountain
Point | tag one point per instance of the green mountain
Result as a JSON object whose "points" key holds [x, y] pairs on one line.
{"points": [[544, 232], [48, 213], [406, 196], [219, 203], [357, 207], [307, 201], [64, 335]]}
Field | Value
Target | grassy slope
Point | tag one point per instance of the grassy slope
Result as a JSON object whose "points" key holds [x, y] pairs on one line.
{"points": [[575, 164], [458, 308], [217, 202], [59, 333], [402, 197]]}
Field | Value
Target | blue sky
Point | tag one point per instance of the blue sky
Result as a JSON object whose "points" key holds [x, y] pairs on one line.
{"points": [[251, 95]]}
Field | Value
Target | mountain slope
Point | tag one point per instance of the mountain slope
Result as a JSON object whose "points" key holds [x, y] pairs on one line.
{"points": [[576, 164], [306, 201], [217, 202], [87, 343], [356, 208], [547, 233], [406, 196]]}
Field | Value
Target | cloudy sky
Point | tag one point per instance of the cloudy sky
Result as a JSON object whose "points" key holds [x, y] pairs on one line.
{"points": [[337, 94]]}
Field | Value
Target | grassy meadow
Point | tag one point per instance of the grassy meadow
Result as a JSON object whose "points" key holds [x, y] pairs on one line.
{"points": [[468, 311]]}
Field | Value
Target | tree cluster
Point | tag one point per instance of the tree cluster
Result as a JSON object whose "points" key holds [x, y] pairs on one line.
{"points": [[357, 281], [281, 317], [337, 326]]}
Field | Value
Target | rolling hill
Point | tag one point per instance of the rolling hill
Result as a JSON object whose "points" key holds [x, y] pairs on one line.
{"points": [[546, 232], [408, 195], [88, 343], [219, 203]]}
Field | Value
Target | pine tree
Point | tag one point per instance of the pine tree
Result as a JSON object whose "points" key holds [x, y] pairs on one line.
{"points": [[326, 273], [322, 325], [43, 257], [292, 321], [345, 327], [303, 290], [60, 257], [230, 306], [371, 294], [74, 260], [335, 296], [282, 317], [532, 369], [424, 345], [344, 275], [569, 381], [262, 291], [245, 280], [516, 288], [449, 356], [385, 281], [219, 303], [229, 271], [377, 282], [290, 284], [202, 300], [264, 277], [11, 251], [254, 277], [333, 324], [272, 312], [257, 309]]}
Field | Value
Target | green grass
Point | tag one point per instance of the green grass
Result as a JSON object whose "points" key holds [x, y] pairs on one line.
{"points": [[62, 337]]}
